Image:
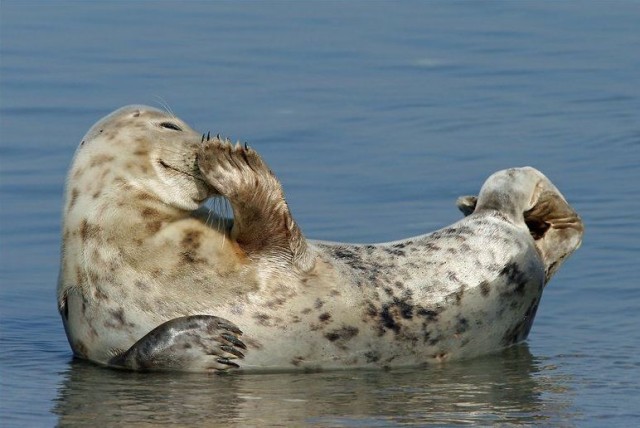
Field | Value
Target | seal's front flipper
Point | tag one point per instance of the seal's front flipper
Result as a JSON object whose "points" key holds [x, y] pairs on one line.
{"points": [[262, 223], [193, 343]]}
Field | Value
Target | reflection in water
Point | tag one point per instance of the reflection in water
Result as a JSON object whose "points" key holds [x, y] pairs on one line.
{"points": [[510, 387]]}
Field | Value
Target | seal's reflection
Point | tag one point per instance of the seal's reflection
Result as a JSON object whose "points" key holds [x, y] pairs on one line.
{"points": [[507, 387]]}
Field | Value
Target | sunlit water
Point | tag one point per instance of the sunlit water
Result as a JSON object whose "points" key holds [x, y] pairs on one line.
{"points": [[375, 116]]}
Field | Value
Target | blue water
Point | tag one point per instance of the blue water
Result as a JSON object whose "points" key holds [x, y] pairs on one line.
{"points": [[375, 116]]}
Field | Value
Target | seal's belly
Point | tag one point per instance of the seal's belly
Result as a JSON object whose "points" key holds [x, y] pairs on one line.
{"points": [[458, 308]]}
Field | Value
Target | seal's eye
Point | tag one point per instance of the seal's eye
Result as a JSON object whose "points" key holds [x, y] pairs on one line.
{"points": [[170, 125]]}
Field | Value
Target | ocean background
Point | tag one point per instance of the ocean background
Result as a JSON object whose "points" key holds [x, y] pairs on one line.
{"points": [[376, 116]]}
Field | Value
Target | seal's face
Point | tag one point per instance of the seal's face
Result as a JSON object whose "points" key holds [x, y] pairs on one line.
{"points": [[147, 149]]}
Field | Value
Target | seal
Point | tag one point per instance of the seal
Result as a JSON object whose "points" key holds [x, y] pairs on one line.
{"points": [[151, 280]]}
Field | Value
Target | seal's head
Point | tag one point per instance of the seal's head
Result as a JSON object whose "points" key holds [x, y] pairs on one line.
{"points": [[526, 197], [141, 148]]}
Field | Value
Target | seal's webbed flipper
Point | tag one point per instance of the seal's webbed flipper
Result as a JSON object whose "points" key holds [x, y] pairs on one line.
{"points": [[466, 204], [192, 343], [262, 222], [555, 226]]}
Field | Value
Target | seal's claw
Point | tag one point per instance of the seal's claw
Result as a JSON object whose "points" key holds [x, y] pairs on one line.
{"points": [[229, 327], [227, 362], [233, 340], [232, 351]]}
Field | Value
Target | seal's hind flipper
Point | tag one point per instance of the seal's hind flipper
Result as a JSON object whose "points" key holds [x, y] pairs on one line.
{"points": [[555, 226], [192, 343], [467, 204]]}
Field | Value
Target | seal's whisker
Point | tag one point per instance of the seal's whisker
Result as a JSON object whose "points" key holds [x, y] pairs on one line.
{"points": [[165, 105]]}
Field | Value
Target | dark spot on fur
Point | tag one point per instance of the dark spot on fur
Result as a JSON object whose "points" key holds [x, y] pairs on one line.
{"points": [[387, 320], [142, 285], [74, 197], [405, 308], [276, 303], [100, 159], [191, 239], [458, 295], [190, 243], [485, 288], [88, 231], [117, 320], [395, 252], [343, 333], [305, 311], [80, 349], [319, 303], [429, 314], [118, 316], [141, 152], [351, 258], [372, 356], [516, 278], [432, 246], [263, 319], [153, 226], [252, 343], [462, 325], [99, 294], [148, 212], [453, 277], [370, 310], [325, 317], [79, 276]]}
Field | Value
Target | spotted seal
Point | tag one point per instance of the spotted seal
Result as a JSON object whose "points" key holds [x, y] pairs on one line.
{"points": [[150, 280]]}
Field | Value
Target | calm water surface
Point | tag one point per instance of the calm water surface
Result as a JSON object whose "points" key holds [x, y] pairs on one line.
{"points": [[375, 116]]}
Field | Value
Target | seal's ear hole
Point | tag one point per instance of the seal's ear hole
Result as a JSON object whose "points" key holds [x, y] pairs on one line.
{"points": [[170, 125], [537, 226], [136, 113]]}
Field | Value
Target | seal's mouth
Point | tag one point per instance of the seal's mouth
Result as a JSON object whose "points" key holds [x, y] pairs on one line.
{"points": [[203, 190], [193, 174]]}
